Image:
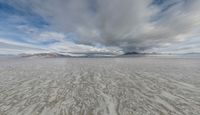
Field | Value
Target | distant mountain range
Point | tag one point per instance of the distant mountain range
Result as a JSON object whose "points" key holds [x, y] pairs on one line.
{"points": [[94, 54], [90, 55], [46, 55], [60, 55]]}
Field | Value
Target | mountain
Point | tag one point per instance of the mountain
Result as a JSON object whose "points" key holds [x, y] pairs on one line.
{"points": [[96, 54], [131, 53], [62, 55], [45, 55], [86, 55]]}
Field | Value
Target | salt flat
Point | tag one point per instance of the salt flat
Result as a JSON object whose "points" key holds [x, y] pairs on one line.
{"points": [[100, 86]]}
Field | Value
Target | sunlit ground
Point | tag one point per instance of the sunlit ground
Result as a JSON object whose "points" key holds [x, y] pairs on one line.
{"points": [[100, 86]]}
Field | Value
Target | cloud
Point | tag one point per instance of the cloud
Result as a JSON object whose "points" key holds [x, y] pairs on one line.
{"points": [[13, 47], [82, 49], [128, 25], [45, 36]]}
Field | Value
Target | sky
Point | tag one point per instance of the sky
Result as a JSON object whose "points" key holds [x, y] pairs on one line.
{"points": [[99, 26]]}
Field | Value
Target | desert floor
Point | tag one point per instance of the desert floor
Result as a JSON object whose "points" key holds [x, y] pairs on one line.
{"points": [[100, 86]]}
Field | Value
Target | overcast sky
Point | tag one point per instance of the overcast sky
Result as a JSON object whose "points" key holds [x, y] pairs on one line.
{"points": [[99, 26]]}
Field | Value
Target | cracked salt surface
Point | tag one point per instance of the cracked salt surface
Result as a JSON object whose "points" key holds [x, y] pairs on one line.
{"points": [[102, 86]]}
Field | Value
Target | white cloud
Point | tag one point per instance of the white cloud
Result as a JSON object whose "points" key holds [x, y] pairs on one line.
{"points": [[70, 47], [13, 47], [45, 36]]}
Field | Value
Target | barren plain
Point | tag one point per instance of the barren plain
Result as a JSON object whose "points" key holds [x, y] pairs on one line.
{"points": [[100, 86]]}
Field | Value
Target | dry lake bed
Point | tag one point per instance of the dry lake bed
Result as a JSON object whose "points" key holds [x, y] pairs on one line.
{"points": [[100, 86]]}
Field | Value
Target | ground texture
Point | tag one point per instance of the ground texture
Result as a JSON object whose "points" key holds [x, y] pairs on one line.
{"points": [[100, 86]]}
